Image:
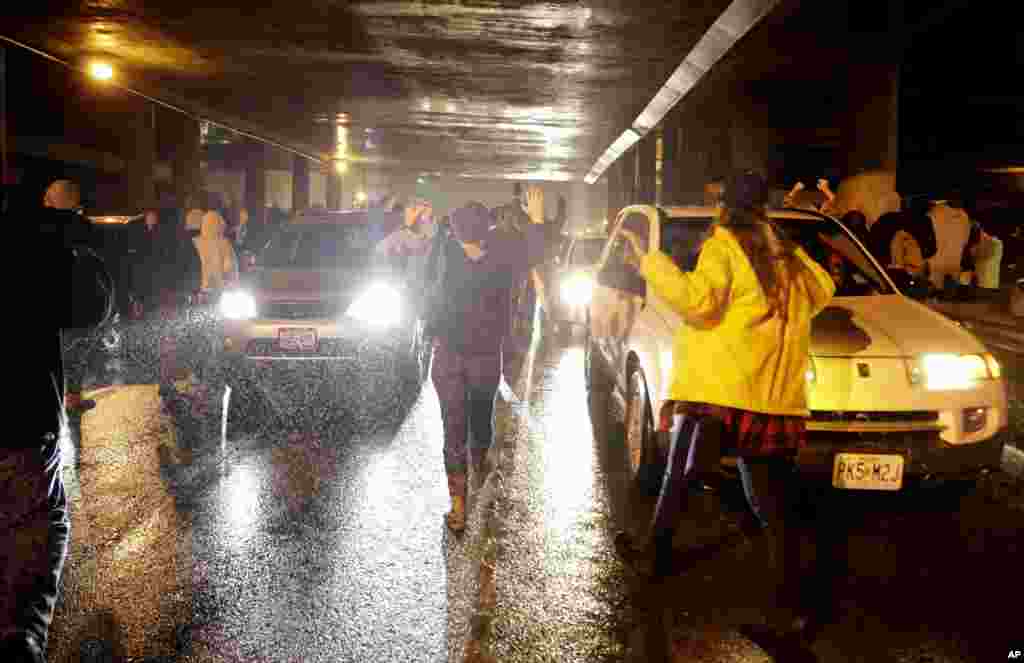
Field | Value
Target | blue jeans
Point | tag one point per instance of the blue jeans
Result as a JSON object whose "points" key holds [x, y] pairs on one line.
{"points": [[34, 545]]}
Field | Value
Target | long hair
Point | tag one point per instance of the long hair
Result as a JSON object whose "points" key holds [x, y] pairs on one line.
{"points": [[769, 259]]}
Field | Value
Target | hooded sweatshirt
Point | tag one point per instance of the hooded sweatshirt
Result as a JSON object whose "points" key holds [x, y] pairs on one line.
{"points": [[220, 264]]}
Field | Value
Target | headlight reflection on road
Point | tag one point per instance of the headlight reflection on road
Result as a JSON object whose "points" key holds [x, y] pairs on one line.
{"points": [[379, 305], [240, 502], [569, 458]]}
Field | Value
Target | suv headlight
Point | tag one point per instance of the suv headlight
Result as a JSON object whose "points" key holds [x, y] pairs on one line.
{"points": [[237, 305], [578, 288], [379, 304], [953, 372]]}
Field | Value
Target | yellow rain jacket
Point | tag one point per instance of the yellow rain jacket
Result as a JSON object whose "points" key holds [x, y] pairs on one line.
{"points": [[729, 352]]}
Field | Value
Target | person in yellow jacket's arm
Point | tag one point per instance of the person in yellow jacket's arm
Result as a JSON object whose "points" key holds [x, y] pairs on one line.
{"points": [[748, 307]]}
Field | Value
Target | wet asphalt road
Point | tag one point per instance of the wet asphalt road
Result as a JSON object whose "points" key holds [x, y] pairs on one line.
{"points": [[309, 544], [293, 541]]}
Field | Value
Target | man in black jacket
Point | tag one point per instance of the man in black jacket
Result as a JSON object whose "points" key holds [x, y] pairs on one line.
{"points": [[75, 292]]}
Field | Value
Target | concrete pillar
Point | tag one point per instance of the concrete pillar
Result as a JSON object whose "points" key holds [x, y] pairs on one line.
{"points": [[5, 166], [333, 190], [615, 190], [255, 181], [300, 183], [871, 127], [670, 162], [628, 173], [185, 157], [646, 162], [143, 159]]}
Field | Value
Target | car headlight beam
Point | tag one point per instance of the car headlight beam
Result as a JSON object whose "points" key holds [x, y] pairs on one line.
{"points": [[379, 305], [238, 305], [944, 371]]}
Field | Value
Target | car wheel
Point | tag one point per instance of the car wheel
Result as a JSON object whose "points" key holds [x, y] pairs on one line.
{"points": [[639, 432]]}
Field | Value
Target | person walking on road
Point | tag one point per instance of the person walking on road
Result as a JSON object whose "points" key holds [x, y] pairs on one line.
{"points": [[475, 267], [75, 293], [748, 307], [217, 255]]}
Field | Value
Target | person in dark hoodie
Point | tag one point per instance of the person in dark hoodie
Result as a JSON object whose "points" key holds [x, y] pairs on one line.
{"points": [[75, 293], [476, 264], [165, 275]]}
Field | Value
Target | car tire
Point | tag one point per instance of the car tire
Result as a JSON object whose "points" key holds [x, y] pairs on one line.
{"points": [[639, 434]]}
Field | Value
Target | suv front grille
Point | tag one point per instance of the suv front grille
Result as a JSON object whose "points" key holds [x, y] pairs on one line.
{"points": [[300, 310], [903, 417]]}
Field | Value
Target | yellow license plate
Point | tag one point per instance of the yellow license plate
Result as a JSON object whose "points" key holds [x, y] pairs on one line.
{"points": [[867, 471]]}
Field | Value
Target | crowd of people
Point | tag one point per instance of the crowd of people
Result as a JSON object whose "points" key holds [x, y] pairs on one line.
{"points": [[474, 265], [933, 241]]}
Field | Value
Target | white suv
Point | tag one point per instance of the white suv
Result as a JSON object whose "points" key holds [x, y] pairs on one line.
{"points": [[896, 390]]}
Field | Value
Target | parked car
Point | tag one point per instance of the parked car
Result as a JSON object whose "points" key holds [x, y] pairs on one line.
{"points": [[318, 315], [575, 279], [897, 392]]}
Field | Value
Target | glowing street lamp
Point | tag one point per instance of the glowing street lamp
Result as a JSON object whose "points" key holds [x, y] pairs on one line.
{"points": [[101, 71], [361, 197]]}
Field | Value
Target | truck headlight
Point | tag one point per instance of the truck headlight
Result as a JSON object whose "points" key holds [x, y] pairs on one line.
{"points": [[577, 289], [237, 305], [379, 305], [952, 372]]}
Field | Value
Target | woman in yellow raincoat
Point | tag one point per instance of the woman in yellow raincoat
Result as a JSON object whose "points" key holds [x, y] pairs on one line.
{"points": [[748, 307]]}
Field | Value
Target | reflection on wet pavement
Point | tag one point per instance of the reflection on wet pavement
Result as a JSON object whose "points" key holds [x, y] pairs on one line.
{"points": [[558, 582], [326, 543], [319, 546]]}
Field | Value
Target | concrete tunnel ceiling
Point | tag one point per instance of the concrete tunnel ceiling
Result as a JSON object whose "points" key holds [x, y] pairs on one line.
{"points": [[477, 88], [482, 89]]}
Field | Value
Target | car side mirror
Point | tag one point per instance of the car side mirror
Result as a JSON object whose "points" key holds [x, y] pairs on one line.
{"points": [[619, 277], [912, 286]]}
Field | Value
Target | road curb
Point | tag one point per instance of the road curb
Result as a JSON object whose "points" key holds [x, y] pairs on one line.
{"points": [[502, 458]]}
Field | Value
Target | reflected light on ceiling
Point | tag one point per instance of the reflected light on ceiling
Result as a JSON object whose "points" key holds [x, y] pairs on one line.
{"points": [[738, 18]]}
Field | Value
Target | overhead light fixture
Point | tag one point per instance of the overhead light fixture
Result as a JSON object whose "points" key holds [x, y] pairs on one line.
{"points": [[738, 18], [100, 71], [628, 139]]}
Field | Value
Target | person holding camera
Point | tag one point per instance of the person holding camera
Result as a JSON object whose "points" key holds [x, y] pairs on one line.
{"points": [[76, 293]]}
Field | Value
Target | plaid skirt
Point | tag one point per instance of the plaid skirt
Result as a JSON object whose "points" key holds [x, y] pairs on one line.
{"points": [[747, 433]]}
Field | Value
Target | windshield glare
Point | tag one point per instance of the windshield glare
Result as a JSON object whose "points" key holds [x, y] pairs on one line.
{"points": [[330, 247], [823, 240]]}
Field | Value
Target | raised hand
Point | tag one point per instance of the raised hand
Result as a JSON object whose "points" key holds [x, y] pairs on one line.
{"points": [[535, 203]]}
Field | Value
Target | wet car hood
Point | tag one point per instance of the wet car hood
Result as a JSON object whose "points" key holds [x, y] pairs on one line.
{"points": [[886, 326], [305, 285]]}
